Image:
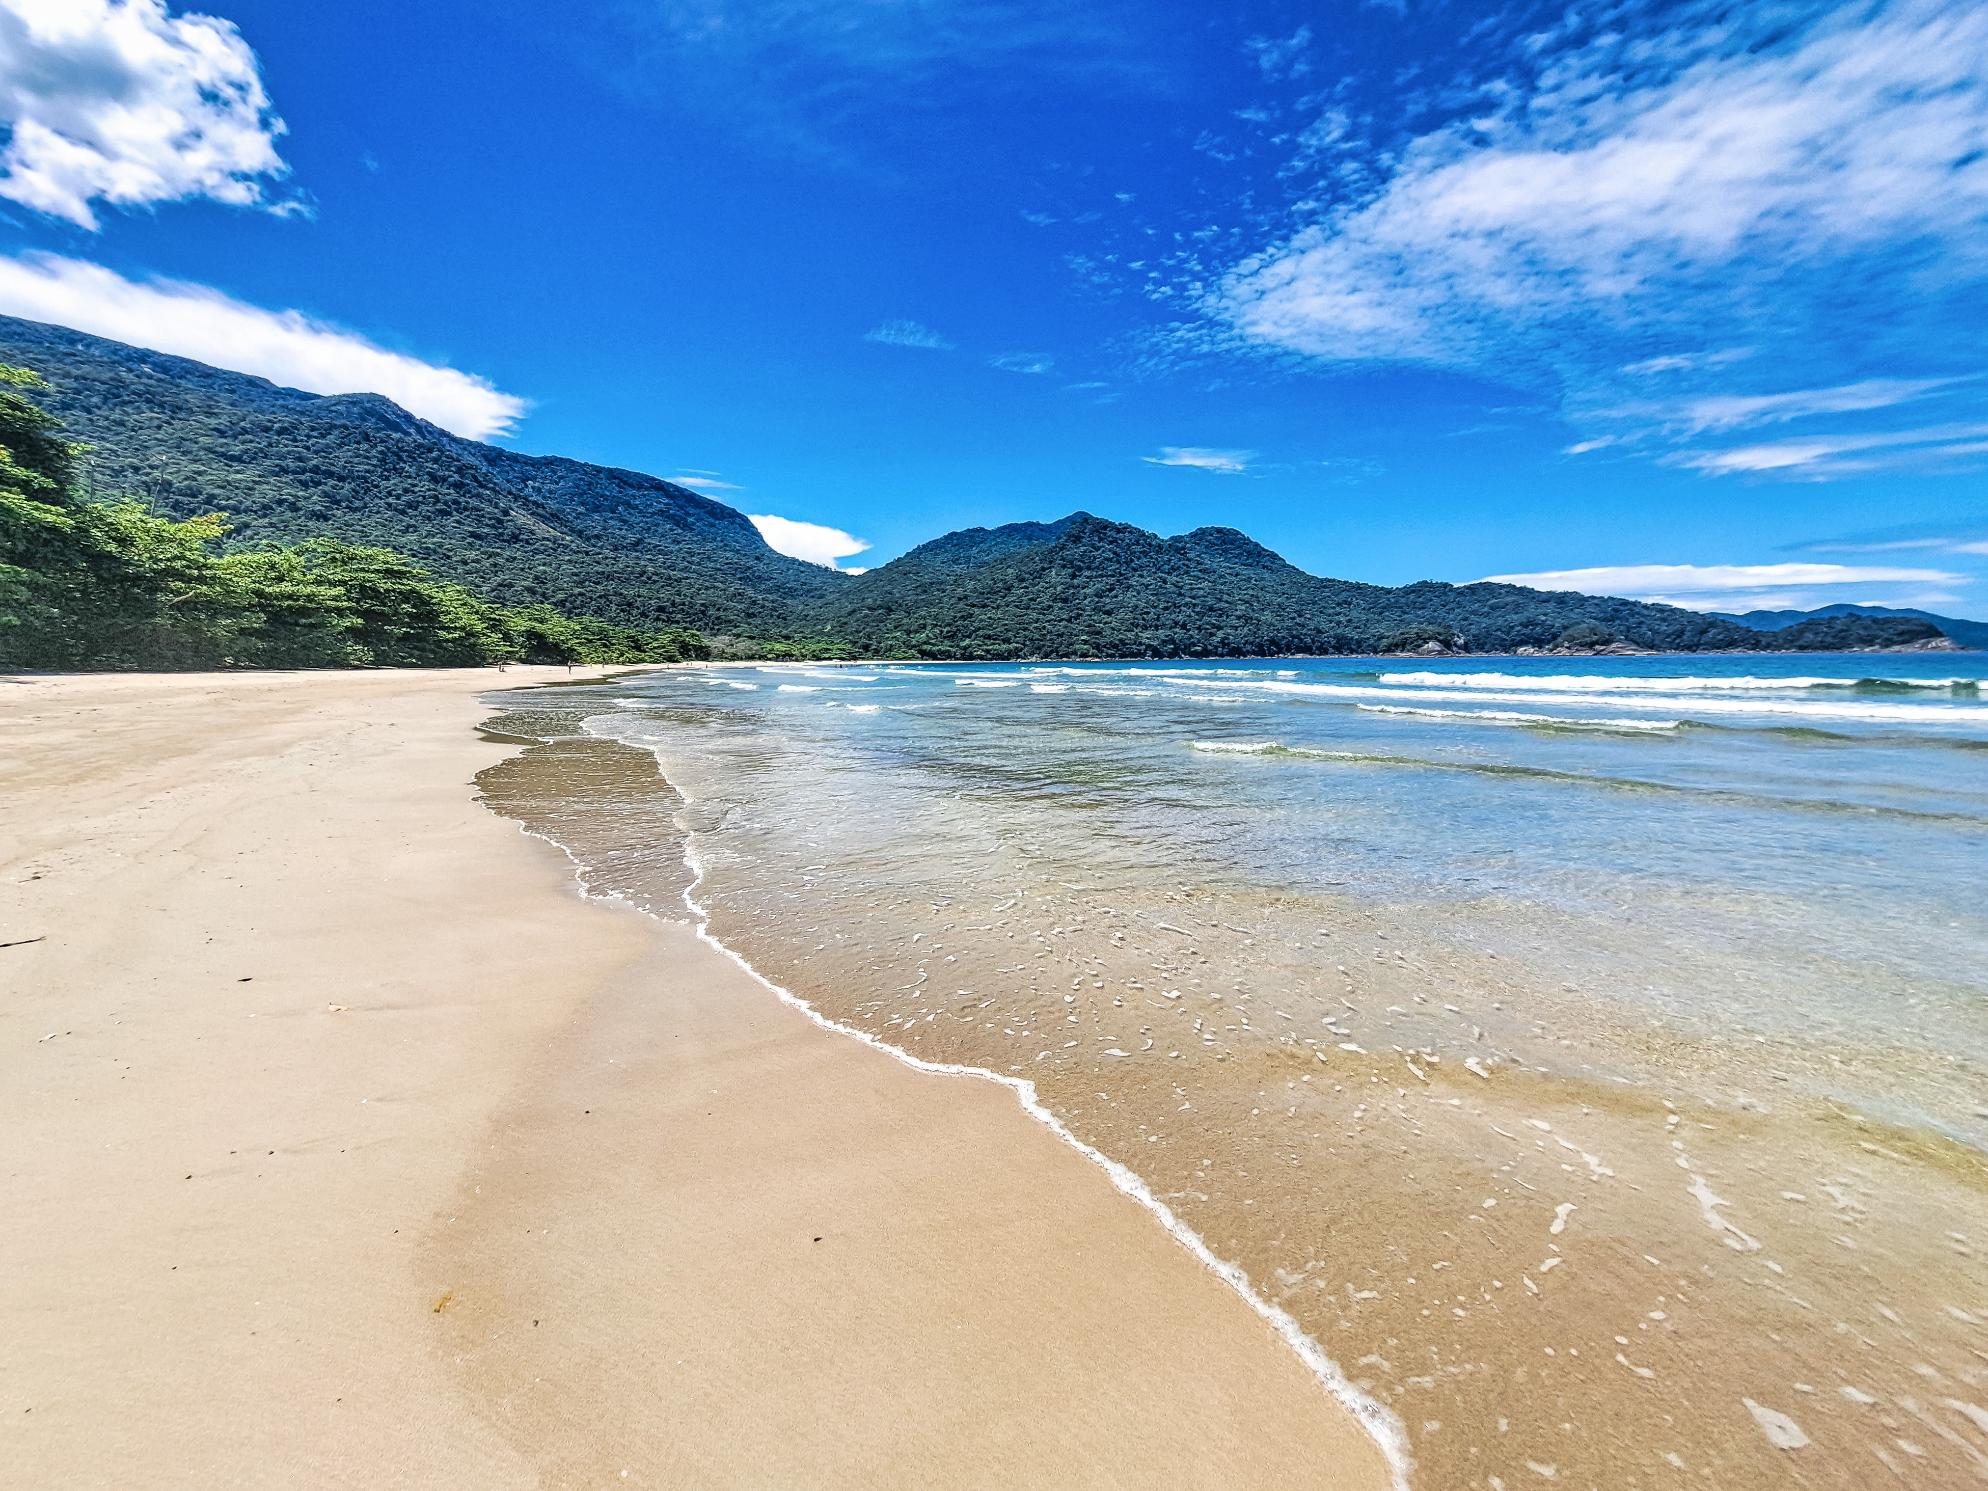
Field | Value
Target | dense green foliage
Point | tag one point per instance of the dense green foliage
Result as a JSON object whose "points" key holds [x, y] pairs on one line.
{"points": [[89, 584], [287, 466], [1966, 633], [1845, 634], [1084, 587], [360, 534]]}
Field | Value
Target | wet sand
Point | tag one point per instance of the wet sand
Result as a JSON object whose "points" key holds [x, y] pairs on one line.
{"points": [[345, 1144], [1566, 1243]]}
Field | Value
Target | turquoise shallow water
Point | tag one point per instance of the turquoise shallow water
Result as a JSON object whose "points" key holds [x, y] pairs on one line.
{"points": [[1491, 1014], [1791, 844]]}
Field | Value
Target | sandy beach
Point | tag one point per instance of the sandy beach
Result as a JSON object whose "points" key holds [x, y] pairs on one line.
{"points": [[346, 1144]]}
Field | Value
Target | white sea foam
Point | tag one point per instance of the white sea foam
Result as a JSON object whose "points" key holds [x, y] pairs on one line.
{"points": [[1509, 717], [1782, 1432], [1236, 747], [798, 688], [1148, 671], [1616, 683], [862, 708], [1379, 1422], [988, 683], [1686, 707]]}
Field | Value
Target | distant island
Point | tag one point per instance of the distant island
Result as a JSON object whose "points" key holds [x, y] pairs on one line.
{"points": [[1962, 631], [204, 518]]}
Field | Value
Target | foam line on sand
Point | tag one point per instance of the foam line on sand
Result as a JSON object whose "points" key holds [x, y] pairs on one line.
{"points": [[1379, 1423]]}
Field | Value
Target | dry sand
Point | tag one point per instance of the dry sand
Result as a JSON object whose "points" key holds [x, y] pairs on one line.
{"points": [[344, 1144]]}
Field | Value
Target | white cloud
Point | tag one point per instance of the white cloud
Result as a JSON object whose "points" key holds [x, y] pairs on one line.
{"points": [[1591, 193], [1202, 458], [286, 347], [1282, 56], [1023, 362], [1730, 411], [907, 334], [1683, 362], [1825, 454], [1726, 587], [1887, 546], [121, 102], [1804, 187], [815, 542], [706, 483]]}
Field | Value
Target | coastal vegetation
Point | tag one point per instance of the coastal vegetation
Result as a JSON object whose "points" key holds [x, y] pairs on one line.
{"points": [[188, 439], [217, 520], [113, 584], [1088, 587]]}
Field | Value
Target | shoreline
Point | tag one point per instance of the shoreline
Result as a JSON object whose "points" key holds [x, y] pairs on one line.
{"points": [[1374, 1418], [418, 1196], [1580, 1239], [1910, 650]]}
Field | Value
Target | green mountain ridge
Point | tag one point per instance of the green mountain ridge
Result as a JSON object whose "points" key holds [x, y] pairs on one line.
{"points": [[636, 550], [1088, 587], [287, 466], [1968, 633]]}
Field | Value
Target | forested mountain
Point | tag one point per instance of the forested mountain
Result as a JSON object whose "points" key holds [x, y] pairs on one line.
{"points": [[1086, 587], [1966, 633], [289, 466], [638, 556]]}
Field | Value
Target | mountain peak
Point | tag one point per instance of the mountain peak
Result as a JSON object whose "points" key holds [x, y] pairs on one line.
{"points": [[374, 409], [1231, 546], [286, 465]]}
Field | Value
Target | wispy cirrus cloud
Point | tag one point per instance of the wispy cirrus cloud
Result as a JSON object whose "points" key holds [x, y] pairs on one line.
{"points": [[1032, 363], [1839, 454], [1685, 362], [1673, 429], [1711, 412], [1722, 587], [1899, 546], [1635, 166], [1920, 538], [863, 85], [286, 347], [908, 334], [1282, 56], [122, 103], [1815, 182], [1203, 458], [817, 543], [707, 481]]}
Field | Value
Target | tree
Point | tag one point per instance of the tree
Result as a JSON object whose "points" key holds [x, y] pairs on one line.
{"points": [[1586, 634], [37, 495]]}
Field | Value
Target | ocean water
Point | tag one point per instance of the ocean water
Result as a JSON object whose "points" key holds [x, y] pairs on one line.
{"points": [[1591, 1055]]}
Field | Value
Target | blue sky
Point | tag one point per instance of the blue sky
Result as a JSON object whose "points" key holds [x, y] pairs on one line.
{"points": [[1667, 300]]}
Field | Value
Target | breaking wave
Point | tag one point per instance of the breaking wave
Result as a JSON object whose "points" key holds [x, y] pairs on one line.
{"points": [[1580, 683], [1537, 721]]}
